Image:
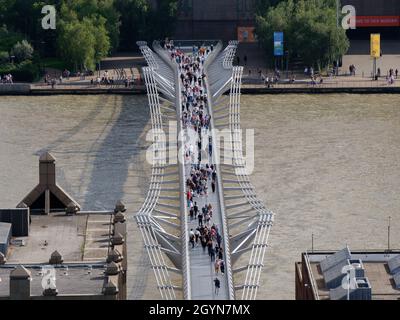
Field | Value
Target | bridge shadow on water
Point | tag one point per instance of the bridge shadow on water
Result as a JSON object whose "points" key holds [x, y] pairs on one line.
{"points": [[112, 167], [73, 131], [116, 153]]}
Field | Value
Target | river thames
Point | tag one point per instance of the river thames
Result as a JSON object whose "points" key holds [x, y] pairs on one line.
{"points": [[327, 165]]}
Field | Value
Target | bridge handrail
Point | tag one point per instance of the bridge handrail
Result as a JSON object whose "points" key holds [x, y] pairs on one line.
{"points": [[223, 75], [231, 290], [264, 216], [143, 217], [184, 216], [220, 70]]}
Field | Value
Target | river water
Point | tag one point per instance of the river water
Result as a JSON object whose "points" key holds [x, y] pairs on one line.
{"points": [[327, 165]]}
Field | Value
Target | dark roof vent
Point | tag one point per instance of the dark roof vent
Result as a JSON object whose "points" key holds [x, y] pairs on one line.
{"points": [[56, 258]]}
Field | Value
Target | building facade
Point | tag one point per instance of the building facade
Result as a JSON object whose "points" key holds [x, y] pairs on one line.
{"points": [[235, 19], [210, 19]]}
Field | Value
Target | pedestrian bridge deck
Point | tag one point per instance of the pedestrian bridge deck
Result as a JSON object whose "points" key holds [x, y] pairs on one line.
{"points": [[165, 228]]}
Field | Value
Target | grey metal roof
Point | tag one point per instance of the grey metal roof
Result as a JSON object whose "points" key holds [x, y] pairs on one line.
{"points": [[339, 293], [394, 264], [335, 259], [334, 275], [396, 279], [5, 231]]}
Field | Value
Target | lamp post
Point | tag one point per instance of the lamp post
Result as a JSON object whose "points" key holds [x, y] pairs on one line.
{"points": [[337, 25], [287, 64], [388, 235], [312, 242], [348, 284], [99, 66]]}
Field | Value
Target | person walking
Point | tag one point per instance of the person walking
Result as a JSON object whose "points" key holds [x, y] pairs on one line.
{"points": [[217, 285], [189, 198], [204, 242], [191, 213], [219, 240], [222, 266], [220, 253], [214, 174], [200, 218], [191, 237], [207, 219], [213, 186], [212, 253], [209, 247], [216, 266], [197, 235]]}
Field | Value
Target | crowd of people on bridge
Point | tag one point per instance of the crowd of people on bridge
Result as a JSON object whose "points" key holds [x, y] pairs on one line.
{"points": [[200, 173]]}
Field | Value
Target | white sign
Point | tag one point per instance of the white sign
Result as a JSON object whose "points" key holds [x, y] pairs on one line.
{"points": [[49, 20]]}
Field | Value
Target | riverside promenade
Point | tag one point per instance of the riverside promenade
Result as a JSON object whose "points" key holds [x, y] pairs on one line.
{"points": [[336, 85]]}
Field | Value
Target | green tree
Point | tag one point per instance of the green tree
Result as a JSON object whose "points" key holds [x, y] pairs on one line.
{"points": [[4, 57], [95, 9], [134, 15], [310, 30], [8, 39], [83, 36], [142, 21], [22, 51], [76, 44], [162, 19]]}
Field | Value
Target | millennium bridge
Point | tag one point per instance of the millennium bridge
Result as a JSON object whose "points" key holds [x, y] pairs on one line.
{"points": [[164, 220]]}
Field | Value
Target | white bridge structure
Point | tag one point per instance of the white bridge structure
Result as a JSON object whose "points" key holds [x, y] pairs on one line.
{"points": [[163, 220]]}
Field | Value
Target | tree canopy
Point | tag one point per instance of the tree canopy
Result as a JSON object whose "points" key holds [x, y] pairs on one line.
{"points": [[86, 30], [310, 30]]}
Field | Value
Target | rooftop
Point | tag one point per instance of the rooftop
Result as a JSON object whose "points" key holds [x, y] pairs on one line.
{"points": [[76, 279], [4, 231], [376, 269], [84, 236]]}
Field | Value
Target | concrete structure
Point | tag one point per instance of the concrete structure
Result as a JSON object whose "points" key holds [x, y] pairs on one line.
{"points": [[19, 219], [72, 281], [72, 271], [358, 275], [14, 88], [47, 196], [5, 236]]}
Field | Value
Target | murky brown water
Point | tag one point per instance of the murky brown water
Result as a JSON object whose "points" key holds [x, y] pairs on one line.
{"points": [[325, 164]]}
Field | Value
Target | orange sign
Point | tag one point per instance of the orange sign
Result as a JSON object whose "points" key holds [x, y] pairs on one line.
{"points": [[246, 34]]}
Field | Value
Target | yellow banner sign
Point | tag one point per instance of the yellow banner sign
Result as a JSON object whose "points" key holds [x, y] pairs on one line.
{"points": [[375, 45]]}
